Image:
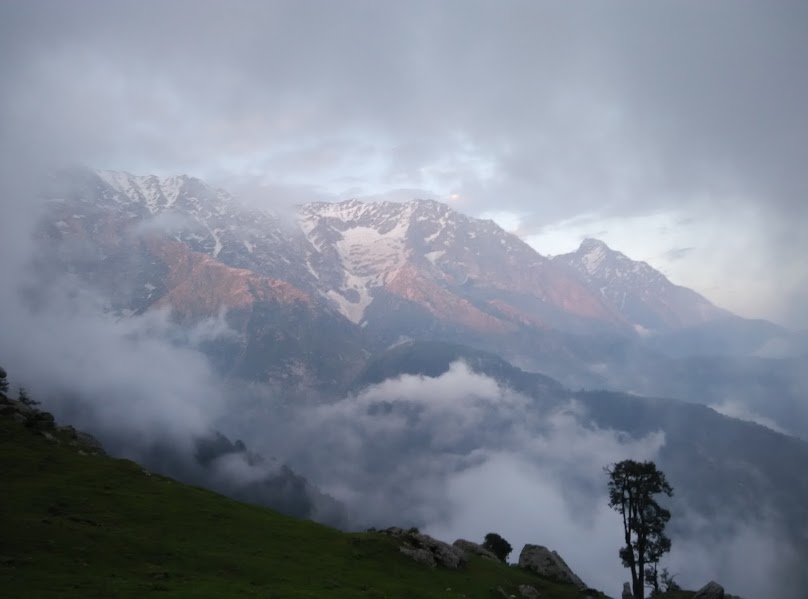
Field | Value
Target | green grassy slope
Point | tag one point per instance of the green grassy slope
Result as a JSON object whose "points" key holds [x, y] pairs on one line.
{"points": [[74, 525]]}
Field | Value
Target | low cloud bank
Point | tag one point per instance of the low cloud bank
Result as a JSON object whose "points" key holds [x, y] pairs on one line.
{"points": [[460, 456]]}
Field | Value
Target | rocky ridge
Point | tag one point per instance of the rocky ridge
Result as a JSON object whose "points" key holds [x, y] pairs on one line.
{"points": [[642, 295], [350, 254]]}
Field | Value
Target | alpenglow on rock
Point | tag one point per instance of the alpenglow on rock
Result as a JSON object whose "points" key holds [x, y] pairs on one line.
{"points": [[544, 562]]}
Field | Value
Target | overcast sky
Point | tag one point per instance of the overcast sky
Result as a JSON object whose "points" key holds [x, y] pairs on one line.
{"points": [[675, 131]]}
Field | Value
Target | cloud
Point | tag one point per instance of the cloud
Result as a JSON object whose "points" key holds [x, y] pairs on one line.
{"points": [[736, 409], [678, 253], [461, 456], [114, 376], [536, 109]]}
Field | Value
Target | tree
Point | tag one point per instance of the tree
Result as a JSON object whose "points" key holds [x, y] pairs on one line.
{"points": [[668, 582], [3, 380], [25, 399], [632, 488], [497, 545]]}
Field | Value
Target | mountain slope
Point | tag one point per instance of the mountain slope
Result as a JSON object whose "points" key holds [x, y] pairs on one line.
{"points": [[641, 294], [425, 253], [88, 525]]}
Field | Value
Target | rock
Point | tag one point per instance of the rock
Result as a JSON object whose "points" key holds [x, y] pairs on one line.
{"points": [[41, 421], [549, 564], [474, 548], [49, 437], [627, 594], [422, 556], [712, 590], [528, 592], [69, 432], [441, 553], [12, 406], [90, 443], [446, 555]]}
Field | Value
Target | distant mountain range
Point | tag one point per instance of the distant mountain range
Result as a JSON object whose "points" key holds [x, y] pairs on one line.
{"points": [[310, 294], [354, 257]]}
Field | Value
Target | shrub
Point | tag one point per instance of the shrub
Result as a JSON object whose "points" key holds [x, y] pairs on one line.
{"points": [[498, 546]]}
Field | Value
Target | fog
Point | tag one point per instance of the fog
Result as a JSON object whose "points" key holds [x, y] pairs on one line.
{"points": [[460, 456]]}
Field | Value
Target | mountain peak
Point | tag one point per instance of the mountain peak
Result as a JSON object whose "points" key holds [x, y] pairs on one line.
{"points": [[590, 244], [640, 293], [592, 254]]}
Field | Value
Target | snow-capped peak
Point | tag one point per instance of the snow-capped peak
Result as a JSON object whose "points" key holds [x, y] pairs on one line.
{"points": [[157, 193]]}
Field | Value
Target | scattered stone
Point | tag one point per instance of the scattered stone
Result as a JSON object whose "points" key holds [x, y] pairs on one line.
{"points": [[441, 553], [475, 548], [528, 592], [90, 443], [422, 556], [712, 590], [49, 437], [549, 564]]}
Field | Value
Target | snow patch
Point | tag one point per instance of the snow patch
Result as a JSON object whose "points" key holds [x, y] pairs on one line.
{"points": [[593, 259], [434, 256], [369, 257]]}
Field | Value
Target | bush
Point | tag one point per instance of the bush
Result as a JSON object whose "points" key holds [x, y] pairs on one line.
{"points": [[498, 546], [25, 399]]}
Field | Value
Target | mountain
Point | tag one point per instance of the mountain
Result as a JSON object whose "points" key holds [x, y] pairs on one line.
{"points": [[643, 296], [457, 269], [147, 243], [359, 305], [309, 294]]}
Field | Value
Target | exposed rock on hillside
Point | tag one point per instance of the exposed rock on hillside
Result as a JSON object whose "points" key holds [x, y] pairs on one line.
{"points": [[712, 590], [528, 592], [426, 550], [549, 564], [475, 548]]}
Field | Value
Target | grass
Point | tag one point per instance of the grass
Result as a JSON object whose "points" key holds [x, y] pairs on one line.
{"points": [[74, 525]]}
